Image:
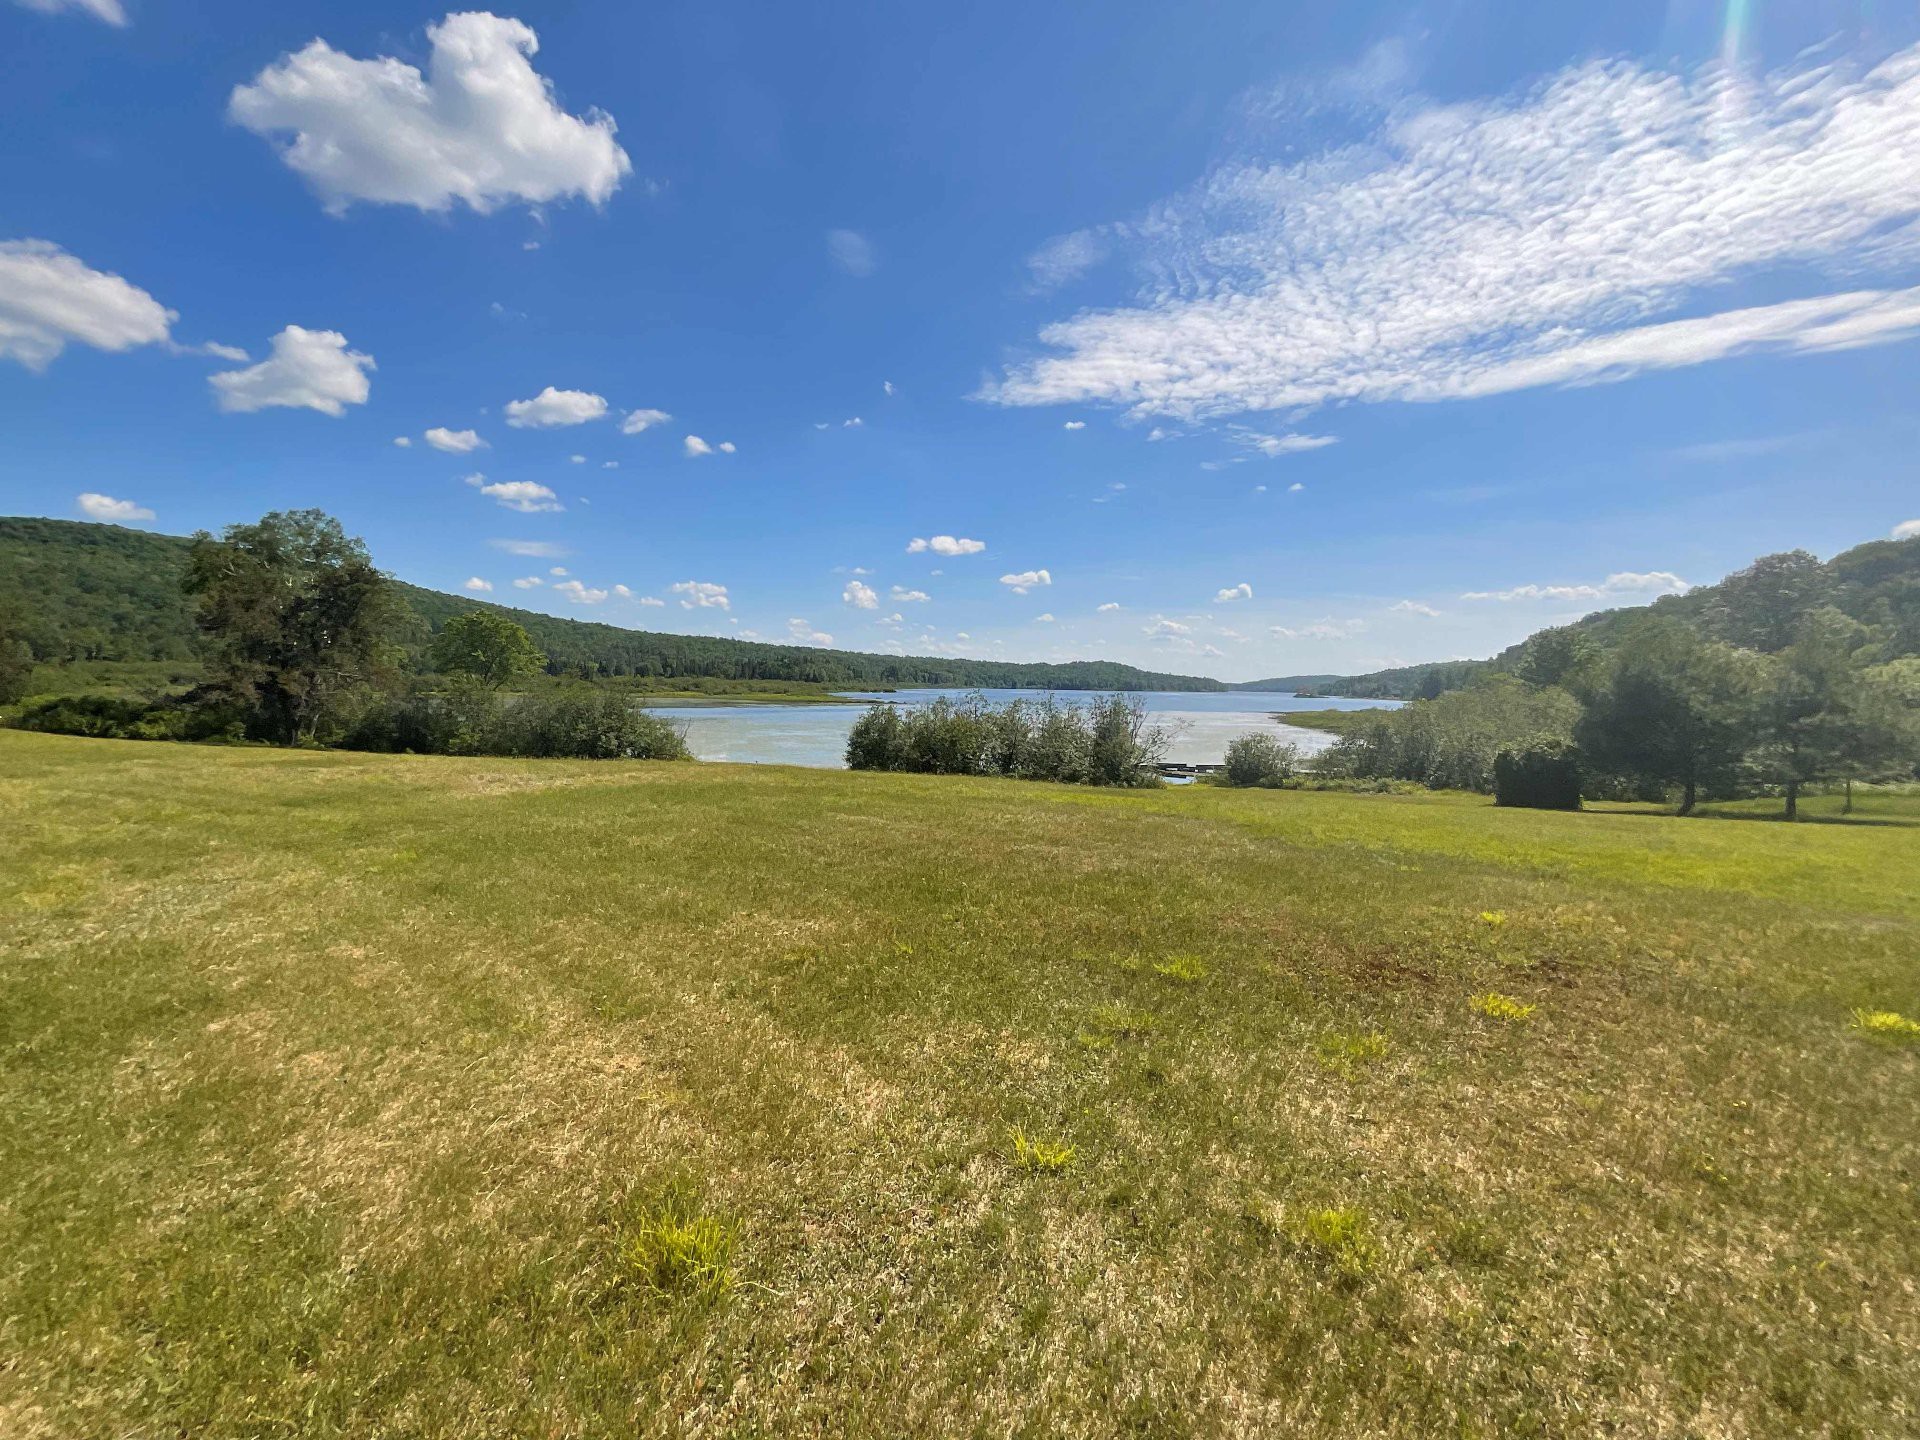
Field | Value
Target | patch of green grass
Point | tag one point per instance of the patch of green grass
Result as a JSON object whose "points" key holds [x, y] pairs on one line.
{"points": [[1496, 1006], [1886, 1025], [301, 1137], [1187, 969], [1045, 1156], [1348, 1050]]}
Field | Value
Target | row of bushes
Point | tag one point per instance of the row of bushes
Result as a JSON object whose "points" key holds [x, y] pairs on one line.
{"points": [[1103, 742], [581, 722]]}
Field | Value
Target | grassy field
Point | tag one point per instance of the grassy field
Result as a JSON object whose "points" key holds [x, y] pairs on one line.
{"points": [[384, 1096]]}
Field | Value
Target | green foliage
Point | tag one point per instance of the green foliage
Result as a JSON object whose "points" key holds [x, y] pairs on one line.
{"points": [[1496, 1006], [1106, 741], [116, 717], [1763, 606], [1555, 656], [1346, 1051], [675, 1251], [1260, 760], [1886, 1025], [1545, 776], [575, 721], [1187, 969], [1342, 1237], [297, 616], [487, 646], [1045, 1156], [16, 665], [1453, 742]]}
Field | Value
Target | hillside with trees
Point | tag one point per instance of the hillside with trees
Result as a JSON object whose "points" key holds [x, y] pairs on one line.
{"points": [[75, 591]]}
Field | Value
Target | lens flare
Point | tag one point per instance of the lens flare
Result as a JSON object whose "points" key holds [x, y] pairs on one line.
{"points": [[1733, 35]]}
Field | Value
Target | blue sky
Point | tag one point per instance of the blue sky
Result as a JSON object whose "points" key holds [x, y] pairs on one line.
{"points": [[1241, 340]]}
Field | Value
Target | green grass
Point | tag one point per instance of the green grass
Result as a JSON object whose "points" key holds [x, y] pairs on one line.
{"points": [[348, 1095]]}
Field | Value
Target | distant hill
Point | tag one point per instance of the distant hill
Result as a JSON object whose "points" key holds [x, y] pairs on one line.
{"points": [[79, 591], [1877, 583]]}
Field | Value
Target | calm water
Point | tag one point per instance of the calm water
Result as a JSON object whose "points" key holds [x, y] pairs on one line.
{"points": [[816, 735]]}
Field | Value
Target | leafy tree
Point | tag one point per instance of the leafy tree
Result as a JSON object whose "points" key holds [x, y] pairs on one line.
{"points": [[486, 645], [1553, 656], [1672, 708], [297, 615], [1261, 760], [1451, 743], [1538, 777], [1825, 717], [1763, 606], [16, 664]]}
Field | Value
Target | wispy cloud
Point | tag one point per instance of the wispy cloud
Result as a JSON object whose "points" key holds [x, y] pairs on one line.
{"points": [[852, 252], [1551, 238], [1625, 584]]}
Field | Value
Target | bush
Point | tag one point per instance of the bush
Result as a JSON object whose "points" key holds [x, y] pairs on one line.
{"points": [[580, 722], [1104, 742], [1261, 760], [116, 717], [1452, 743], [1545, 776]]}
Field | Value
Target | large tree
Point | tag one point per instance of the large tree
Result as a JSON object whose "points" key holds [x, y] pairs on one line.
{"points": [[1671, 708], [297, 615], [1824, 716], [486, 645], [1763, 606]]}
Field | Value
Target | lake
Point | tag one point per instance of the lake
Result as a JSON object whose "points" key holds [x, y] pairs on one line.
{"points": [[816, 735]]}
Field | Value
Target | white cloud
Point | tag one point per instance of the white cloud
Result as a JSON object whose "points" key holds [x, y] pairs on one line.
{"points": [[49, 299], [852, 252], [1026, 580], [623, 592], [637, 421], [801, 632], [1548, 238], [307, 370], [111, 11], [887, 386], [1046, 619], [1324, 629], [552, 408], [1242, 591], [526, 496], [609, 464], [1295, 488], [1907, 530], [694, 446], [1414, 607], [1160, 432], [479, 127], [651, 600], [405, 442], [853, 423], [531, 549], [478, 586], [863, 597], [1623, 584], [946, 545], [1064, 258], [1108, 608], [577, 459], [528, 582], [900, 595], [1163, 629], [579, 594], [1074, 425], [455, 442], [1274, 446], [701, 595], [560, 570], [104, 507], [725, 447]]}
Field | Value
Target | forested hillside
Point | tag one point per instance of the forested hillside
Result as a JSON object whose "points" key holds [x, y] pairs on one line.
{"points": [[1758, 608], [77, 591]]}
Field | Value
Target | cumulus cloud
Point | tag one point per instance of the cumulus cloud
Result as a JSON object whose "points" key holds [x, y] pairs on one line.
{"points": [[852, 423], [1025, 580], [637, 421], [552, 409], [1625, 584], [1108, 608], [946, 545], [479, 127], [454, 442], [111, 11], [1414, 607], [50, 299], [405, 442], [527, 496], [901, 595], [701, 595], [887, 386], [862, 597], [1046, 619], [852, 252], [104, 507], [1548, 238], [478, 586], [1242, 591], [801, 632], [651, 601], [306, 370], [1162, 629], [531, 549], [1074, 425], [579, 594], [1907, 530], [528, 582]]}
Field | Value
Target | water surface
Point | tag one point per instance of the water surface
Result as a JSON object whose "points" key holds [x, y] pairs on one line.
{"points": [[816, 735]]}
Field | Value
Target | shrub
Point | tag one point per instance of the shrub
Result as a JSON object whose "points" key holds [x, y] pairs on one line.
{"points": [[1542, 776], [580, 722], [114, 717], [1260, 760], [1452, 743], [1103, 742]]}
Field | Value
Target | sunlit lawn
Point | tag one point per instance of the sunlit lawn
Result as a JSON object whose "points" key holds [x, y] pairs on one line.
{"points": [[380, 1096]]}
